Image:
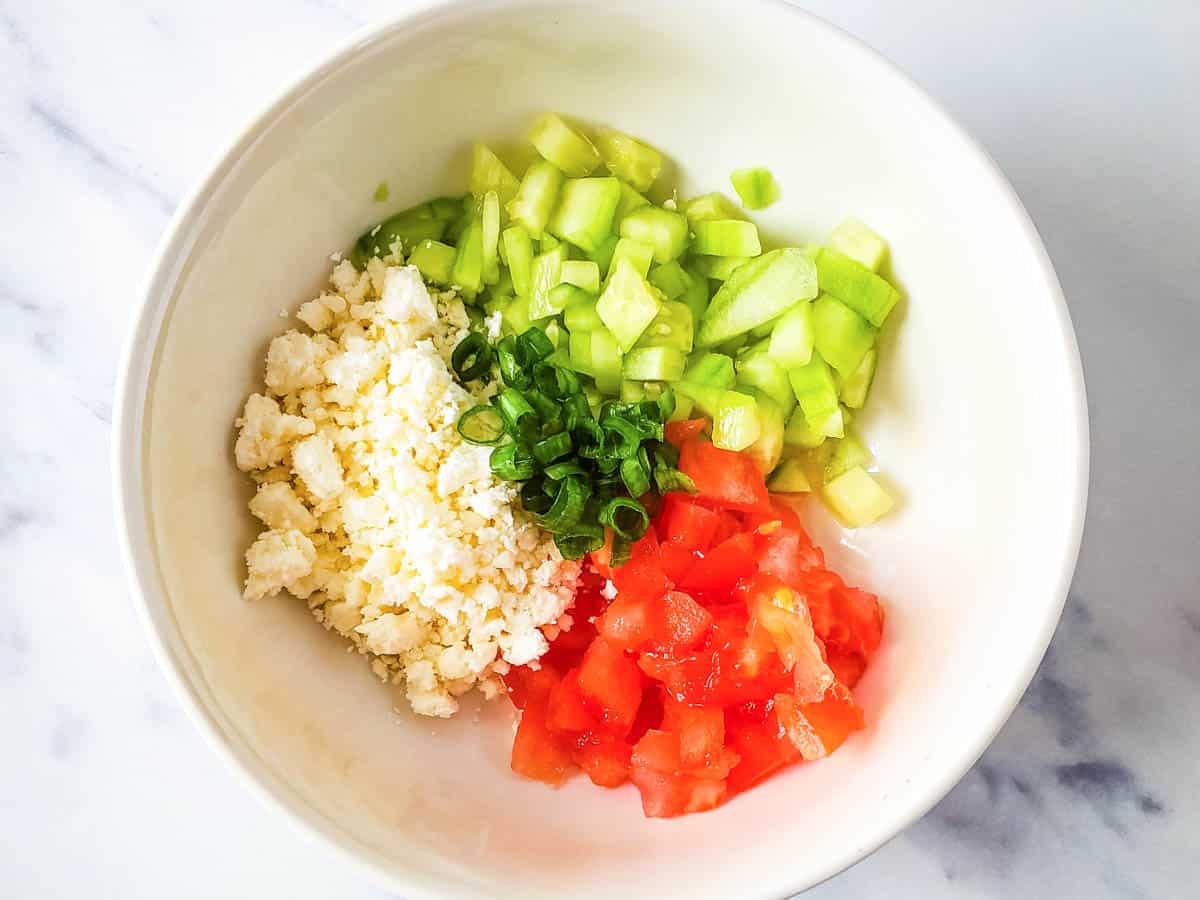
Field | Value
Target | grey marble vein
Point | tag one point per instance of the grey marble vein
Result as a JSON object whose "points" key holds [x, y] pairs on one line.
{"points": [[109, 111]]}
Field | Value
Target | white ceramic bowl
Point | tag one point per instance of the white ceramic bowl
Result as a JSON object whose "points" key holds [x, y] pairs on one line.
{"points": [[978, 417]]}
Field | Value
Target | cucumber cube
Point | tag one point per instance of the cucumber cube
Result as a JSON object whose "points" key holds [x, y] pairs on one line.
{"points": [[517, 250], [854, 239], [560, 296], [801, 433], [856, 498], [488, 173], [536, 197], [684, 406], [696, 296], [789, 478], [602, 255], [736, 422], [546, 274], [856, 286], [654, 364], [435, 261], [468, 261], [579, 349], [854, 387], [705, 398], [841, 335], [792, 340], [665, 231], [583, 273], [757, 292], [628, 304], [629, 159], [630, 201], [757, 371], [815, 390], [565, 147], [767, 448], [712, 206], [489, 218], [713, 369], [605, 358], [720, 268], [848, 452], [585, 211], [516, 315], [580, 314], [409, 227], [756, 187], [671, 279], [635, 252], [672, 327], [726, 237]]}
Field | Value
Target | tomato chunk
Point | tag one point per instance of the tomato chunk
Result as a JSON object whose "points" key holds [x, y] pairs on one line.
{"points": [[722, 476], [536, 752], [606, 764], [817, 729], [686, 522], [657, 771], [678, 433], [612, 681], [723, 567], [683, 622]]}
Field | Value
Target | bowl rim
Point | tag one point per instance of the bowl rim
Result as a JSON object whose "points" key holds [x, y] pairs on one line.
{"points": [[138, 361]]}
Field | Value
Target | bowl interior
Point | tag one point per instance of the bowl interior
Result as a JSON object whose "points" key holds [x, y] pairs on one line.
{"points": [[976, 419]]}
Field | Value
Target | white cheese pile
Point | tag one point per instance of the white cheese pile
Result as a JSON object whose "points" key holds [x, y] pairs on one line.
{"points": [[377, 512]]}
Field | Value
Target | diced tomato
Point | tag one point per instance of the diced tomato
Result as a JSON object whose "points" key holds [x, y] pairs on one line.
{"points": [[630, 621], [817, 729], [566, 711], [786, 553], [862, 615], [722, 567], [778, 510], [678, 433], [686, 522], [722, 476], [781, 612], [683, 623], [649, 714], [613, 682], [676, 561], [847, 667], [527, 685], [728, 524], [642, 577], [606, 763], [701, 733], [536, 752], [762, 746], [657, 770]]}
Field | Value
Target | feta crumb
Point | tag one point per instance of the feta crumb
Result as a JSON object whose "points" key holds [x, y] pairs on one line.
{"points": [[280, 509], [277, 560], [314, 460], [266, 433]]}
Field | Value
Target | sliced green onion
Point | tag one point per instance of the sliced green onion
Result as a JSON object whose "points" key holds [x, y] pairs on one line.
{"points": [[481, 425], [621, 551], [513, 462], [514, 408], [554, 447], [626, 434], [534, 497], [575, 411], [559, 471], [471, 358], [589, 438], [581, 540], [533, 346], [635, 475], [568, 505], [627, 518]]}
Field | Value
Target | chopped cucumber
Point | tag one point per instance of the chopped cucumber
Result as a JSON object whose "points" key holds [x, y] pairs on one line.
{"points": [[756, 370], [736, 423], [756, 187], [756, 293], [585, 211], [696, 296], [856, 286], [602, 255], [654, 364], [848, 452], [767, 448], [854, 239], [559, 143], [517, 250], [854, 388], [579, 350], [606, 362], [629, 159], [630, 200], [712, 206], [435, 261], [726, 237], [468, 261], [628, 304], [764, 330], [639, 255], [792, 339], [734, 345], [705, 398], [501, 291], [488, 173], [684, 406], [546, 274], [580, 314], [671, 279], [665, 231], [713, 369], [489, 218], [448, 209], [538, 193], [801, 433], [719, 268], [409, 227], [856, 498], [516, 315], [547, 242], [672, 327], [789, 478], [814, 389], [841, 335], [583, 273], [559, 298]]}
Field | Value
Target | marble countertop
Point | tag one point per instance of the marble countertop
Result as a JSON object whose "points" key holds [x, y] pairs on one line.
{"points": [[110, 111]]}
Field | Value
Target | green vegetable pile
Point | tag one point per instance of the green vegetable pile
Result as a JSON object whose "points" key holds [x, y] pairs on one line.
{"points": [[621, 313]]}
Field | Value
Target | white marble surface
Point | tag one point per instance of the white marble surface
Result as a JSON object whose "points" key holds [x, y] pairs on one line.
{"points": [[110, 111]]}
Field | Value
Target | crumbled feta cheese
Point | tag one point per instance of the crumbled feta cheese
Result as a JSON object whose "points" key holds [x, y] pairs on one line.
{"points": [[392, 527]]}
